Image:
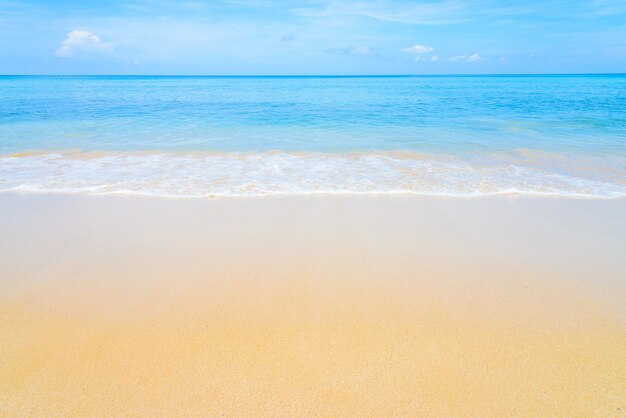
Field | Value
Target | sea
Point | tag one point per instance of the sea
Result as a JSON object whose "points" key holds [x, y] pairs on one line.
{"points": [[200, 137]]}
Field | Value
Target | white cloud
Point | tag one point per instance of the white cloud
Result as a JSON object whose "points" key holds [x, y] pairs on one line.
{"points": [[434, 58], [79, 40], [466, 58], [418, 49]]}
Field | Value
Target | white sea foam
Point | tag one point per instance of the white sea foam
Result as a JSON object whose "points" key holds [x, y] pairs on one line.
{"points": [[279, 173]]}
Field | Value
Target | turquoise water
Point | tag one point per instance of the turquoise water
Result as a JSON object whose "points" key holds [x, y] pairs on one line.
{"points": [[216, 136]]}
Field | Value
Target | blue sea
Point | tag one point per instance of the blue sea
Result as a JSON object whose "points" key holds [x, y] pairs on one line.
{"points": [[248, 136]]}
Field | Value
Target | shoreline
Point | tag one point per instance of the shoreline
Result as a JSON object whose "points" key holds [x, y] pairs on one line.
{"points": [[301, 305], [322, 194], [271, 173]]}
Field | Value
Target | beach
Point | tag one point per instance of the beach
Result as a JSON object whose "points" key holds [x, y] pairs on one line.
{"points": [[312, 306], [447, 246]]}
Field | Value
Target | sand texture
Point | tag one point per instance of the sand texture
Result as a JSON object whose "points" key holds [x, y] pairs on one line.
{"points": [[312, 306]]}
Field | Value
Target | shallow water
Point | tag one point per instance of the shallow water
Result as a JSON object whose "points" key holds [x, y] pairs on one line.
{"points": [[216, 136]]}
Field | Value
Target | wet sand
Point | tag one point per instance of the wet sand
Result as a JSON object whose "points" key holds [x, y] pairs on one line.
{"points": [[312, 306]]}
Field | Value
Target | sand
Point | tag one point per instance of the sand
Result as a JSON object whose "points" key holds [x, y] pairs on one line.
{"points": [[312, 306]]}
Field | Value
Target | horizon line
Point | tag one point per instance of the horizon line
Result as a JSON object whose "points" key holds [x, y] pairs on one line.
{"points": [[318, 75]]}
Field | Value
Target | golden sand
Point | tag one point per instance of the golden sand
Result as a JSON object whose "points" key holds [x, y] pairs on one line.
{"points": [[325, 306]]}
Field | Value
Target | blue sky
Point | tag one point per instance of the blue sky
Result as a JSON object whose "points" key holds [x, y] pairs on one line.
{"points": [[235, 37]]}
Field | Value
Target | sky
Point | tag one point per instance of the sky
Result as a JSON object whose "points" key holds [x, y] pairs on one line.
{"points": [[312, 37]]}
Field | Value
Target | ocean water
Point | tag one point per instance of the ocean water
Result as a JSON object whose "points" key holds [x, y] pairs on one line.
{"points": [[227, 136]]}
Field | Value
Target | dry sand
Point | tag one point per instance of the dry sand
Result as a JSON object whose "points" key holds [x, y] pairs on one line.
{"points": [[312, 306]]}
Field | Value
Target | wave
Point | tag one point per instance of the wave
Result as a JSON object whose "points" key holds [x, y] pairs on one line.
{"points": [[197, 174]]}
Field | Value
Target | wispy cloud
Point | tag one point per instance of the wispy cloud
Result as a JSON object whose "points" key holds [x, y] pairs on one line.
{"points": [[80, 40], [418, 49], [434, 58], [361, 50], [432, 13], [466, 58], [600, 8]]}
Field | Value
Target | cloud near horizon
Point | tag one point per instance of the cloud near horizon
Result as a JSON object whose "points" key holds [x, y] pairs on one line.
{"points": [[475, 57], [80, 40]]}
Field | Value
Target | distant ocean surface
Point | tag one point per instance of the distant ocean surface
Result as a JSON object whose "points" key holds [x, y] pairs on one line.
{"points": [[247, 136]]}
